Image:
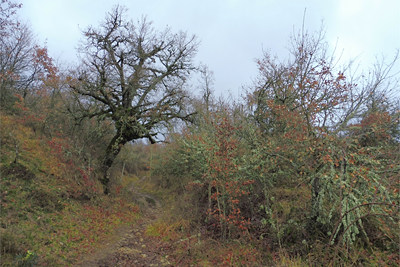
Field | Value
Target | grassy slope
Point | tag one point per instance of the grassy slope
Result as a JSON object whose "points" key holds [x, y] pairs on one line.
{"points": [[50, 214]]}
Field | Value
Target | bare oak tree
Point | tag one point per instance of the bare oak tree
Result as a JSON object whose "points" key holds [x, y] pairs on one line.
{"points": [[135, 76]]}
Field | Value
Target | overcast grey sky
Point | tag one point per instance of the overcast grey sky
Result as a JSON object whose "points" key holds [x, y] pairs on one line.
{"points": [[232, 32]]}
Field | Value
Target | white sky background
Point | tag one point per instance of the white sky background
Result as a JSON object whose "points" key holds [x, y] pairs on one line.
{"points": [[232, 32]]}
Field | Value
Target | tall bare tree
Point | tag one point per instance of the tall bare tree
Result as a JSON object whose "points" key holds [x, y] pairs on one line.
{"points": [[20, 67], [134, 76]]}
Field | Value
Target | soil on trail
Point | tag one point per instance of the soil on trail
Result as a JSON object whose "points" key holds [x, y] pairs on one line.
{"points": [[129, 246]]}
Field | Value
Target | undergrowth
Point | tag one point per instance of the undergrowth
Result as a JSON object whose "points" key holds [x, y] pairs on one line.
{"points": [[183, 236], [51, 211]]}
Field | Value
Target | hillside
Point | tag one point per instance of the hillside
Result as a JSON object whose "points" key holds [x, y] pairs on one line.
{"points": [[54, 214], [116, 161]]}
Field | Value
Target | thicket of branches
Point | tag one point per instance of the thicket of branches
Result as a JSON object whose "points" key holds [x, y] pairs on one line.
{"points": [[309, 161]]}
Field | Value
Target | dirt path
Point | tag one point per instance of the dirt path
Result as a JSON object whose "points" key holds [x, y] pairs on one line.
{"points": [[129, 245]]}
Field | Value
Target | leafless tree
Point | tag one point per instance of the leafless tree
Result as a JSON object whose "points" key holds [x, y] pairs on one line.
{"points": [[135, 76], [20, 67]]}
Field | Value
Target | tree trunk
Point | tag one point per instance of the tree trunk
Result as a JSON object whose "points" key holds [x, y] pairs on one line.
{"points": [[313, 223], [113, 149]]}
